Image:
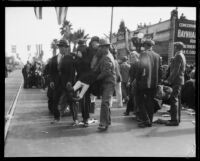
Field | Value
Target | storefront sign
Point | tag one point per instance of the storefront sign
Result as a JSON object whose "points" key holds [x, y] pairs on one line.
{"points": [[186, 32]]}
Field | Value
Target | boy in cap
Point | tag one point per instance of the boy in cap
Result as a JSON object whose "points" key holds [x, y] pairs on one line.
{"points": [[176, 80]]}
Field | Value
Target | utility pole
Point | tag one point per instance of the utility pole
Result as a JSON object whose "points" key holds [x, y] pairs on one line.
{"points": [[111, 24]]}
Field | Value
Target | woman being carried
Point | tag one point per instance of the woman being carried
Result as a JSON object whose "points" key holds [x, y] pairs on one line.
{"points": [[89, 70]]}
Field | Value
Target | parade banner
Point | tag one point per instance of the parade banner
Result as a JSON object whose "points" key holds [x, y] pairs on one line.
{"points": [[38, 12], [61, 13], [185, 31], [38, 49]]}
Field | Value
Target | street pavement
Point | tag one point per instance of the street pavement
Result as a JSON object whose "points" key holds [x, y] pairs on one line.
{"points": [[12, 85], [31, 134]]}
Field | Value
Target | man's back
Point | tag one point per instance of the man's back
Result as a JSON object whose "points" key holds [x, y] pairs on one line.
{"points": [[149, 73], [124, 69]]}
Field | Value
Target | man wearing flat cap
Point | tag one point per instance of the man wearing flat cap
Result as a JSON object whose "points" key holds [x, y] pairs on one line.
{"points": [[147, 79], [108, 78], [176, 80]]}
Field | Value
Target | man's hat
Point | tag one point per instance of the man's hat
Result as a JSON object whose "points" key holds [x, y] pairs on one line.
{"points": [[94, 38], [63, 43], [81, 41], [149, 42], [104, 42], [124, 58], [179, 44]]}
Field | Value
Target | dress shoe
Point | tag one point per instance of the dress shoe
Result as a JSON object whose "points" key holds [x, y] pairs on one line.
{"points": [[172, 123], [102, 127], [144, 124], [55, 121]]}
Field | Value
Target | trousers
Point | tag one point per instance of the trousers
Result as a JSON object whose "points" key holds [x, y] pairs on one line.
{"points": [[107, 93], [145, 103], [174, 102]]}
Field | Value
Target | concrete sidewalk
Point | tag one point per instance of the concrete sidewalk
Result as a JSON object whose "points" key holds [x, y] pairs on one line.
{"points": [[31, 134]]}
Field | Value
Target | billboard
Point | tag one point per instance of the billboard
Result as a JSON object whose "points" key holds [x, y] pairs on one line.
{"points": [[185, 31]]}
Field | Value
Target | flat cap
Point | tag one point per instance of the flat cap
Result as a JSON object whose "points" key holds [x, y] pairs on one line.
{"points": [[104, 42], [149, 42], [94, 38], [179, 44]]}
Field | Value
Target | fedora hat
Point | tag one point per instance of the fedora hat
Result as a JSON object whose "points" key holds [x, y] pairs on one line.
{"points": [[149, 42], [63, 43]]}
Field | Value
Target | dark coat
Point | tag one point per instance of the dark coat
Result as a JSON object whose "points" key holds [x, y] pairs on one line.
{"points": [[67, 70], [133, 71], [188, 93], [117, 70], [177, 69], [124, 70], [53, 72], [149, 70], [107, 69], [83, 65]]}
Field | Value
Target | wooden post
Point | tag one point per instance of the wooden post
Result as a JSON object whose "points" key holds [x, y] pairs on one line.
{"points": [[172, 37], [111, 24]]}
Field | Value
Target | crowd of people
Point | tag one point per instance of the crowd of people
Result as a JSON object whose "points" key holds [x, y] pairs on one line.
{"points": [[32, 74], [138, 82]]}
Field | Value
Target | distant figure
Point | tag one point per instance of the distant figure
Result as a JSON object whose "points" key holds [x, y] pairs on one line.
{"points": [[124, 70], [26, 73]]}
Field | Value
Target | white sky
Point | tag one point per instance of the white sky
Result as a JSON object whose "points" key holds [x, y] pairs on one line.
{"points": [[22, 27]]}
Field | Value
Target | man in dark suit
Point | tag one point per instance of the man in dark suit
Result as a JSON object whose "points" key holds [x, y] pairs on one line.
{"points": [[46, 74], [147, 78], [67, 73], [176, 80], [57, 80]]}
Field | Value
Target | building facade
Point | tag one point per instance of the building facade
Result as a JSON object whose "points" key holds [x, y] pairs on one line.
{"points": [[164, 34]]}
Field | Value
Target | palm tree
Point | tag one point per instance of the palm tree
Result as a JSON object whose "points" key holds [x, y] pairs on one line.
{"points": [[54, 46], [66, 31], [77, 35]]}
